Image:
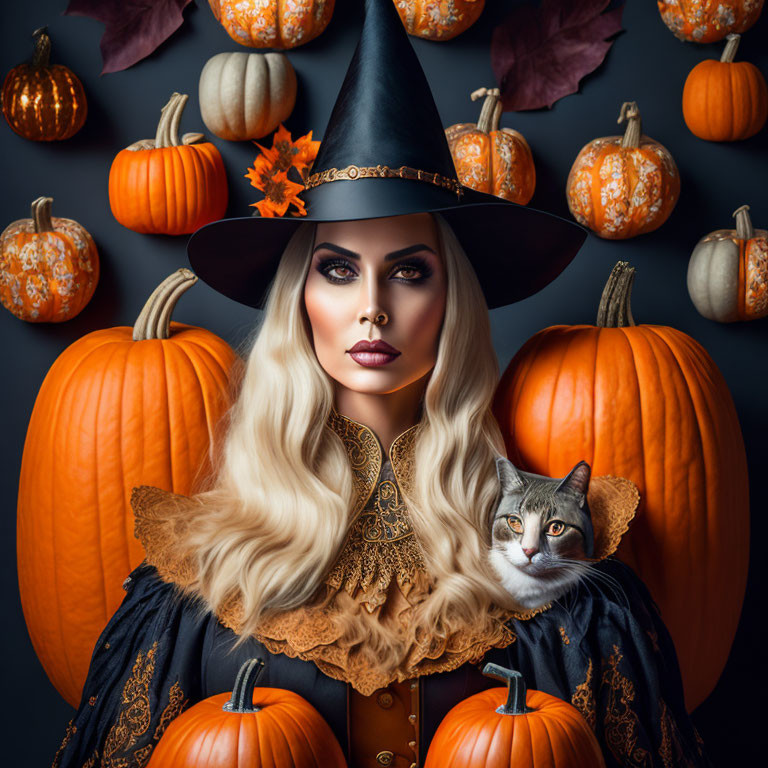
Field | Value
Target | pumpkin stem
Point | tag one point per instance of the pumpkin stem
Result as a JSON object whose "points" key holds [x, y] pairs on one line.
{"points": [[41, 214], [744, 228], [516, 691], [154, 320], [168, 128], [631, 113], [490, 114], [729, 52], [42, 54], [242, 695], [614, 310]]}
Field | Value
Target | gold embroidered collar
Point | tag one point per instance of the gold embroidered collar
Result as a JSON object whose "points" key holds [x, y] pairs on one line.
{"points": [[380, 546]]}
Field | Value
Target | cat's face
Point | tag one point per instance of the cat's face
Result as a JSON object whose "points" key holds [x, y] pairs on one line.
{"points": [[542, 532]]}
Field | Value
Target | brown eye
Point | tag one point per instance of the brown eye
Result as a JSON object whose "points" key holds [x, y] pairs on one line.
{"points": [[515, 523], [555, 528], [340, 272]]}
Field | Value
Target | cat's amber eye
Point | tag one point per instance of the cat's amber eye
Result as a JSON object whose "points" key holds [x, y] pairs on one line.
{"points": [[555, 528], [515, 523]]}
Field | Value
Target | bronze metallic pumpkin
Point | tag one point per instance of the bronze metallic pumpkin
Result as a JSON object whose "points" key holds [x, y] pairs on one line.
{"points": [[43, 101]]}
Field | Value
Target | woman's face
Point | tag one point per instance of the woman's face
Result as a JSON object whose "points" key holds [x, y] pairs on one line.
{"points": [[375, 297]]}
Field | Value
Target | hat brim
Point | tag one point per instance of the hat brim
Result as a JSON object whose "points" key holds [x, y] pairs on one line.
{"points": [[515, 250]]}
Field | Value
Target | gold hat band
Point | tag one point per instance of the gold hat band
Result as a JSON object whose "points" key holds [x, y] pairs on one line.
{"points": [[354, 172]]}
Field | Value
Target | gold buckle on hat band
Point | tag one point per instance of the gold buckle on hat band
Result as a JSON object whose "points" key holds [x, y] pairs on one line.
{"points": [[354, 172]]}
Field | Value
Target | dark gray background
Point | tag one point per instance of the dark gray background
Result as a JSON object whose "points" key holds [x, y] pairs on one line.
{"points": [[647, 64]]}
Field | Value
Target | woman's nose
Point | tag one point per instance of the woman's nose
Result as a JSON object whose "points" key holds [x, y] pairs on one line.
{"points": [[371, 304]]}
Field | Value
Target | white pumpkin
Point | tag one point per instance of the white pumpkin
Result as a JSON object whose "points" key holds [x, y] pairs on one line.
{"points": [[728, 272], [246, 95]]}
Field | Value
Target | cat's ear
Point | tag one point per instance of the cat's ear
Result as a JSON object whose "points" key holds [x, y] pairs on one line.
{"points": [[509, 477], [577, 479]]}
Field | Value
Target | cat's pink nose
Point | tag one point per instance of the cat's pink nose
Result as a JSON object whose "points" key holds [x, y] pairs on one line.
{"points": [[530, 551]]}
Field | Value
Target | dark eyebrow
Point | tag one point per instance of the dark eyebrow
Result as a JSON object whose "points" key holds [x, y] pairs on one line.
{"points": [[389, 257]]}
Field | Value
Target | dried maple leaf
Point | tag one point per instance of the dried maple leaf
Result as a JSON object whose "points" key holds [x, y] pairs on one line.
{"points": [[280, 192], [540, 54], [133, 28], [271, 168]]}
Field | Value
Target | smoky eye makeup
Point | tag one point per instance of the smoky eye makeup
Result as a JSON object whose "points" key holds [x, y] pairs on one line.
{"points": [[413, 264], [327, 265]]}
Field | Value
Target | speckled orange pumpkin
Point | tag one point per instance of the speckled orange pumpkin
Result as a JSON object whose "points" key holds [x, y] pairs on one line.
{"points": [[166, 186], [49, 266], [489, 159], [44, 102], [438, 19], [623, 186], [725, 100], [707, 21], [272, 23]]}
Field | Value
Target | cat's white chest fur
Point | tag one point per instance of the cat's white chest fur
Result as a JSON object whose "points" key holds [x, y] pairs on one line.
{"points": [[530, 590]]}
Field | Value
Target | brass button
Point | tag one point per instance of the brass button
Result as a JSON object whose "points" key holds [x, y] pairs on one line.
{"points": [[413, 765], [412, 744], [414, 686], [412, 718], [385, 758], [385, 700]]}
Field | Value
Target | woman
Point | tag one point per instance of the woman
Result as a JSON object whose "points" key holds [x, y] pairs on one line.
{"points": [[343, 537]]}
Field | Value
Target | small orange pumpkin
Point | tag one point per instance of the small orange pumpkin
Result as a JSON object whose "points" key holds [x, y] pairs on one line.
{"points": [[707, 21], [648, 403], [513, 727], [162, 186], [490, 160], [119, 407], [623, 186], [272, 23], [728, 272], [438, 19], [41, 101], [263, 727], [49, 266], [725, 100]]}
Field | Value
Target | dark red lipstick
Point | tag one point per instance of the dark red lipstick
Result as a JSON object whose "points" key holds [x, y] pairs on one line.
{"points": [[373, 354]]}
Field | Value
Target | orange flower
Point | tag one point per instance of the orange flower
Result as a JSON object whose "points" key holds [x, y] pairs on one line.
{"points": [[279, 193], [270, 172]]}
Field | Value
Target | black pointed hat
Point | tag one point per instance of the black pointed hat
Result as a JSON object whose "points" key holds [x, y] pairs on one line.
{"points": [[384, 153]]}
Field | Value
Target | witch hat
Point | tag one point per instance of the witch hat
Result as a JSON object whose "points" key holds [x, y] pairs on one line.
{"points": [[384, 153]]}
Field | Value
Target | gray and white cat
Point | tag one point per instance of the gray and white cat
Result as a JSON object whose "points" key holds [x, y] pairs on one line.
{"points": [[542, 536]]}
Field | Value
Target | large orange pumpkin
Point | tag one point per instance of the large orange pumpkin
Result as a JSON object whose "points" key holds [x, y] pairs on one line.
{"points": [[646, 402], [272, 23], [725, 100], [44, 102], [438, 19], [513, 728], [261, 728], [49, 266], [490, 160], [164, 186], [707, 21], [120, 407], [623, 186]]}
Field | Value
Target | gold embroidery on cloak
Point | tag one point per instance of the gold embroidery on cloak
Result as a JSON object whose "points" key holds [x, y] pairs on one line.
{"points": [[135, 717], [69, 733], [584, 698], [621, 722]]}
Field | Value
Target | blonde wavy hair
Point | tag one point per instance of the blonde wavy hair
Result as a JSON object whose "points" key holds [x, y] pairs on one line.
{"points": [[278, 505]]}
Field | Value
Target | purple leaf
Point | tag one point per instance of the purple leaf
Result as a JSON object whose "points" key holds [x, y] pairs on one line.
{"points": [[133, 28], [540, 54]]}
